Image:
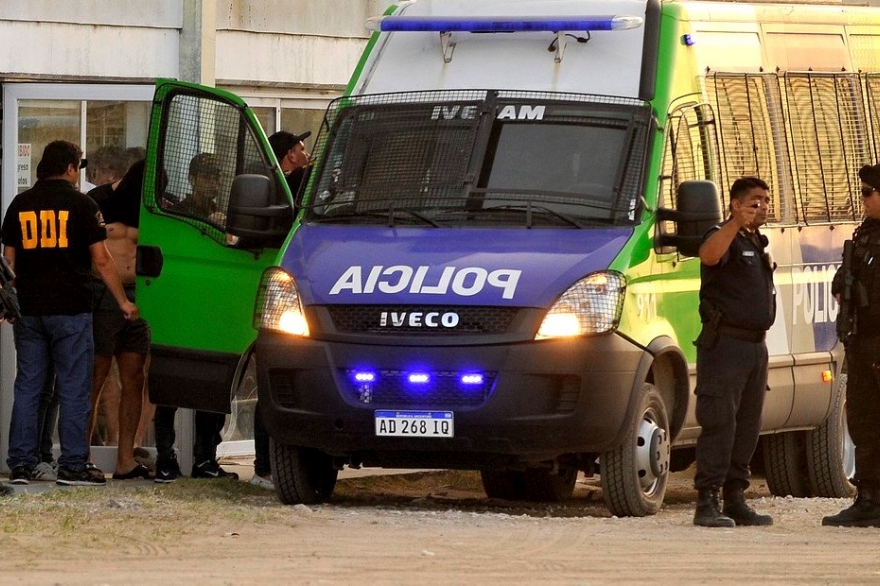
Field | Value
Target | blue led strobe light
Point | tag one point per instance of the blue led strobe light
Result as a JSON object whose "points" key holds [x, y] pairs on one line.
{"points": [[500, 24]]}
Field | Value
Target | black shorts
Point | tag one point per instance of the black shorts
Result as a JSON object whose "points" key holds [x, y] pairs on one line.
{"points": [[112, 332]]}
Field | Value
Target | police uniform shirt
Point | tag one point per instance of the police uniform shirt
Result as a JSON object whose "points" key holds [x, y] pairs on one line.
{"points": [[51, 227], [741, 284]]}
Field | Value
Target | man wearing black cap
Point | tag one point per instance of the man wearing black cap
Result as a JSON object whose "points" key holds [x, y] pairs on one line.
{"points": [[737, 307], [292, 157], [52, 236], [863, 359]]}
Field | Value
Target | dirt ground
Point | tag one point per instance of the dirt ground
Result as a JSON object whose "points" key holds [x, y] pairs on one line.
{"points": [[424, 528]]}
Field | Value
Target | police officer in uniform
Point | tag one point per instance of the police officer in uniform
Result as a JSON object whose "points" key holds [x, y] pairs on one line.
{"points": [[863, 359], [737, 307]]}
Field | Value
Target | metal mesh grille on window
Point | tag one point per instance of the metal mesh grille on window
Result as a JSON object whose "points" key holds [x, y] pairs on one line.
{"points": [[411, 154], [826, 118], [752, 132], [414, 149], [205, 145], [690, 153]]}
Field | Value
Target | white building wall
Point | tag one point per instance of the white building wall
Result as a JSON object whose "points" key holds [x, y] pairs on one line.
{"points": [[256, 43], [89, 39], [292, 43]]}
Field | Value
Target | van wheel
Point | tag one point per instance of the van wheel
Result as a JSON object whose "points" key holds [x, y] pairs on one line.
{"points": [[302, 475], [634, 475], [544, 485], [831, 458], [785, 465], [504, 484]]}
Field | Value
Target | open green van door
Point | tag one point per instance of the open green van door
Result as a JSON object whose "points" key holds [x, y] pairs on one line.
{"points": [[200, 253]]}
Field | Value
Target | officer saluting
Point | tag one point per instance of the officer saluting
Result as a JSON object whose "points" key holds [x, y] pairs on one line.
{"points": [[863, 358], [737, 307]]}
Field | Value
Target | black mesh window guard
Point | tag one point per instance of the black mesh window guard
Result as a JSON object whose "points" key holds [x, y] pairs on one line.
{"points": [[445, 159]]}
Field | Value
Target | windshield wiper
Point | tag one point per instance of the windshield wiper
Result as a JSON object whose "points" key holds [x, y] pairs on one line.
{"points": [[392, 212], [391, 215], [529, 208]]}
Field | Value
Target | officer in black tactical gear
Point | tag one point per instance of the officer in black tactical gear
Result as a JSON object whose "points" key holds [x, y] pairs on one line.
{"points": [[737, 307], [863, 359]]}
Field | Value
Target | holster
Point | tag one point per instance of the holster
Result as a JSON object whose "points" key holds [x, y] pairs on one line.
{"points": [[711, 321]]}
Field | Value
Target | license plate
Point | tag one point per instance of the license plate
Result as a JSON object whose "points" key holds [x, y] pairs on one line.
{"points": [[415, 423]]}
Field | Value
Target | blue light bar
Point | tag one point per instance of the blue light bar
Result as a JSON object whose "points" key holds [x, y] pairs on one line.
{"points": [[472, 379], [365, 377], [502, 24], [419, 378]]}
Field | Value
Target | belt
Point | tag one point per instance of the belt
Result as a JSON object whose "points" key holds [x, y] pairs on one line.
{"points": [[742, 334]]}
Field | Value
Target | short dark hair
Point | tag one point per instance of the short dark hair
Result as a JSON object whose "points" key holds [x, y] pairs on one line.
{"points": [[57, 156], [205, 164], [743, 185], [110, 158]]}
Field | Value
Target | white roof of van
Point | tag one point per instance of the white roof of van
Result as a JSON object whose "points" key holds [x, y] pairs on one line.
{"points": [[608, 63]]}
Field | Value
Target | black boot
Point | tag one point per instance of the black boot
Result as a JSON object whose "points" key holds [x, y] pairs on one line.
{"points": [[736, 508], [708, 513], [864, 512]]}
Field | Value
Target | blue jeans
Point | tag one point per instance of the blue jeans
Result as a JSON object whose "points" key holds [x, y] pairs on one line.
{"points": [[41, 341]]}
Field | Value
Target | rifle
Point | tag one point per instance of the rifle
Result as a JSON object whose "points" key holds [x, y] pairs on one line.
{"points": [[846, 316], [9, 308]]}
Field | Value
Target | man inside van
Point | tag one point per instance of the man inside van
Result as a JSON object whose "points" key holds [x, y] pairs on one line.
{"points": [[737, 307]]}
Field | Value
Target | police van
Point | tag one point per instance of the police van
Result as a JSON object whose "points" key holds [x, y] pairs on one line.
{"points": [[492, 266]]}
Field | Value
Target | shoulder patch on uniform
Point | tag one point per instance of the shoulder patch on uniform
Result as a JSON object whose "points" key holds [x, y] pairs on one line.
{"points": [[100, 218]]}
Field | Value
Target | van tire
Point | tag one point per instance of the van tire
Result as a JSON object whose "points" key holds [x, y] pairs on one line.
{"points": [[831, 452], [634, 475], [546, 486], [785, 464], [301, 475], [509, 485]]}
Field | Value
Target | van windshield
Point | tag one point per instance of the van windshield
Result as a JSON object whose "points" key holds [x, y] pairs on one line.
{"points": [[481, 158]]}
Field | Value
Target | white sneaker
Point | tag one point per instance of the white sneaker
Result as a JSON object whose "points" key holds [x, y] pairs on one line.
{"points": [[44, 471], [263, 482]]}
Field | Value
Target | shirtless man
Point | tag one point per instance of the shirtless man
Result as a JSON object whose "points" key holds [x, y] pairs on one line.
{"points": [[127, 341]]}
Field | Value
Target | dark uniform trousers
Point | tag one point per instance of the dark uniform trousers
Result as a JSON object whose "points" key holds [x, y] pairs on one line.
{"points": [[730, 397], [863, 391]]}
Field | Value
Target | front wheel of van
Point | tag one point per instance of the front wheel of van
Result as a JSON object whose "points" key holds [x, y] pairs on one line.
{"points": [[634, 475], [831, 457], [302, 475], [509, 485]]}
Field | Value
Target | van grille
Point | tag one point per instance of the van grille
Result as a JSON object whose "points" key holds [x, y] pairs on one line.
{"points": [[369, 319]]}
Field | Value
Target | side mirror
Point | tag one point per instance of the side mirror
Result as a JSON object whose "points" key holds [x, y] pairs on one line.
{"points": [[252, 213], [698, 208]]}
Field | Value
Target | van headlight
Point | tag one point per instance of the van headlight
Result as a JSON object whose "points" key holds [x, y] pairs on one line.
{"points": [[591, 306], [279, 307]]}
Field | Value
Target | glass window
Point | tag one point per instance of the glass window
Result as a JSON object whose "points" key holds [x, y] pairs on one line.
{"points": [[266, 116], [298, 120], [39, 123]]}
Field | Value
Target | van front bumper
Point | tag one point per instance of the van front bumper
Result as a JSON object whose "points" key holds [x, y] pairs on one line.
{"points": [[543, 399]]}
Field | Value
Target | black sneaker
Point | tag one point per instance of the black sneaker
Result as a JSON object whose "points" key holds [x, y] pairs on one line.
{"points": [[167, 471], [20, 475], [6, 490], [211, 469], [91, 476]]}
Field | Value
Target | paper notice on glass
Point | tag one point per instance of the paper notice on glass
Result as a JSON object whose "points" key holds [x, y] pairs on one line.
{"points": [[23, 169]]}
